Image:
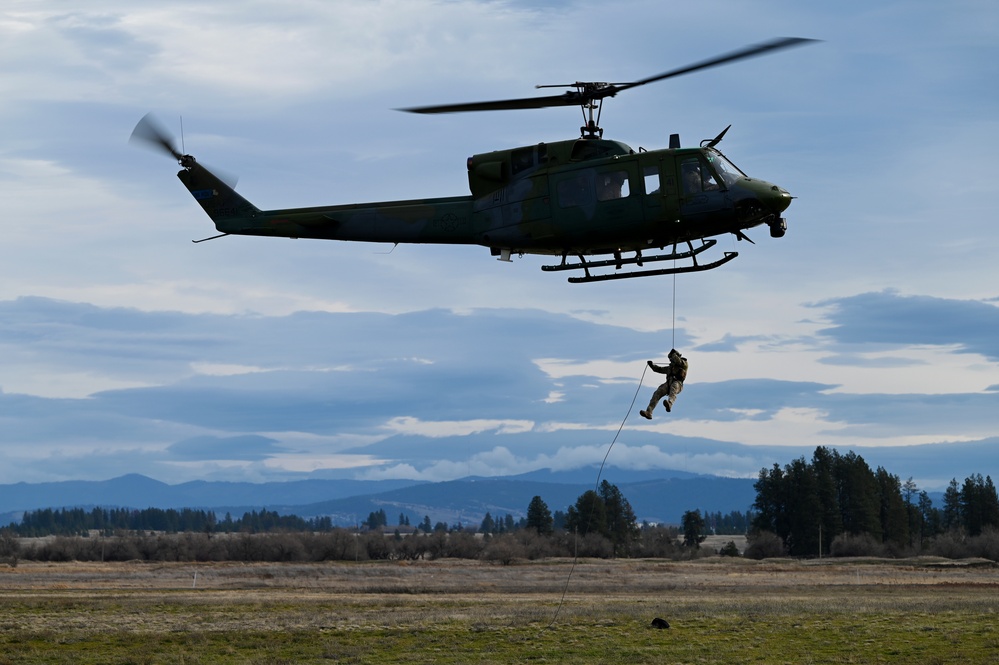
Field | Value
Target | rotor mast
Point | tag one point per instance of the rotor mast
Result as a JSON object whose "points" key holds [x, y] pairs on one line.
{"points": [[589, 95]]}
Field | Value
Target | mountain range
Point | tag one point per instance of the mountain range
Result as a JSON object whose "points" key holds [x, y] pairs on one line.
{"points": [[656, 496]]}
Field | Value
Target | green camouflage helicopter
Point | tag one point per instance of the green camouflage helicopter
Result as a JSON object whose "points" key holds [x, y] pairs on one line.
{"points": [[581, 198]]}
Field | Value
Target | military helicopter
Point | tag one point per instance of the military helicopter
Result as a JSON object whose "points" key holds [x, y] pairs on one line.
{"points": [[584, 198]]}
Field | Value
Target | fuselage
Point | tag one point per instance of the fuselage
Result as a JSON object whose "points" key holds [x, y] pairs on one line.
{"points": [[580, 197]]}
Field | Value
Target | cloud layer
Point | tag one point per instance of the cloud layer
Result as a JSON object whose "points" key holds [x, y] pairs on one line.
{"points": [[436, 394]]}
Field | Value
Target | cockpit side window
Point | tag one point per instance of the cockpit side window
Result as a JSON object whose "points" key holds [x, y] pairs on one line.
{"points": [[696, 176]]}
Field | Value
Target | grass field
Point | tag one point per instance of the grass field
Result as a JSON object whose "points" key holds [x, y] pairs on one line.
{"points": [[721, 610]]}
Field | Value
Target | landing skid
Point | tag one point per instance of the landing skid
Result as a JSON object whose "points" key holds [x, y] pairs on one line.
{"points": [[617, 262]]}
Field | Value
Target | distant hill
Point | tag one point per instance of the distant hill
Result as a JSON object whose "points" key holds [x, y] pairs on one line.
{"points": [[661, 496], [137, 491]]}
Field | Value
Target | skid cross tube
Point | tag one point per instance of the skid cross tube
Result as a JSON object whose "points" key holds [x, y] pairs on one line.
{"points": [[650, 273]]}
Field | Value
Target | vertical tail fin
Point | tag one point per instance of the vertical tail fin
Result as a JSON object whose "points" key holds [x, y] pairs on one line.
{"points": [[218, 199]]}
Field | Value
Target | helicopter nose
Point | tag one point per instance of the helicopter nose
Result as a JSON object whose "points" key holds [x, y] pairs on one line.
{"points": [[776, 199]]}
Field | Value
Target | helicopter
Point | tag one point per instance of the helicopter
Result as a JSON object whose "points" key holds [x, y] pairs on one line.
{"points": [[595, 200]]}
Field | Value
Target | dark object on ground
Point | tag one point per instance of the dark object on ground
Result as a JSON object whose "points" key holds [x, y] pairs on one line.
{"points": [[660, 623]]}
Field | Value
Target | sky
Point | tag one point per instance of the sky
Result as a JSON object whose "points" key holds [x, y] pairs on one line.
{"points": [[124, 348]]}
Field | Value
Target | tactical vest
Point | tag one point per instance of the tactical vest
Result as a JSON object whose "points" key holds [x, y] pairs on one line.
{"points": [[680, 371]]}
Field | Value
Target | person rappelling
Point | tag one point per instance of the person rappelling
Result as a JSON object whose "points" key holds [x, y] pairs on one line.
{"points": [[676, 374]]}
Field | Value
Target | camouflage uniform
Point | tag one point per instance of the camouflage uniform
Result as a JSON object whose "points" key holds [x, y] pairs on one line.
{"points": [[676, 373]]}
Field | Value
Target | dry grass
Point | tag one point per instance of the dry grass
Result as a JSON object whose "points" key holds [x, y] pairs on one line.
{"points": [[722, 610]]}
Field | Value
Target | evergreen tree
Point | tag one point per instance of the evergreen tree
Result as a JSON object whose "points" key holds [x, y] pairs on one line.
{"points": [[971, 505], [508, 524], [622, 525], [769, 503], [858, 496], [488, 524], [588, 515], [930, 518], [990, 504], [692, 525], [803, 509], [894, 516], [952, 506], [539, 517], [913, 515], [824, 463], [979, 506], [376, 519]]}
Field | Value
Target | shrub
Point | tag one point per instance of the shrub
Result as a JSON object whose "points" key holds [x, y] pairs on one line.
{"points": [[658, 542], [764, 545], [504, 548], [10, 547], [538, 546], [594, 545], [952, 545], [463, 545], [856, 544], [987, 544], [729, 549]]}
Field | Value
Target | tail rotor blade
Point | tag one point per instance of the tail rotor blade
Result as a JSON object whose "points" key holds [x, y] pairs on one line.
{"points": [[150, 133]]}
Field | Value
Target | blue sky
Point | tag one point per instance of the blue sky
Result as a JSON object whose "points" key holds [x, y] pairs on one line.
{"points": [[125, 348]]}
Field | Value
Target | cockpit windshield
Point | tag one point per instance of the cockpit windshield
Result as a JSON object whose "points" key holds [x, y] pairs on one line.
{"points": [[727, 171]]}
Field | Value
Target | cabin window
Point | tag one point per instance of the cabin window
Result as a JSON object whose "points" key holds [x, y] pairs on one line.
{"points": [[651, 175], [576, 191], [521, 159], [612, 185]]}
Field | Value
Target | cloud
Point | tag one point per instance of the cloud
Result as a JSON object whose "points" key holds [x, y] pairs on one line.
{"points": [[732, 343], [437, 429], [895, 320], [501, 461], [248, 447]]}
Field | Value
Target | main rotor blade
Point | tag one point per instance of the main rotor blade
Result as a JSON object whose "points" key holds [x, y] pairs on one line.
{"points": [[741, 54], [571, 98], [588, 92], [151, 132]]}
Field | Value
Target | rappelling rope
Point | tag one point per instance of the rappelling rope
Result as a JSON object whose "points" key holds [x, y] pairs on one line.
{"points": [[596, 486], [673, 345], [575, 554]]}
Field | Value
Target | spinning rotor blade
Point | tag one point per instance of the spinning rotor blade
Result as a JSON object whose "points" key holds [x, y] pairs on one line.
{"points": [[741, 54], [151, 132], [589, 92], [566, 99]]}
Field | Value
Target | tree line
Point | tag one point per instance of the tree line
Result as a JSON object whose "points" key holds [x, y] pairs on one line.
{"points": [[601, 523], [832, 504], [79, 521], [836, 504]]}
